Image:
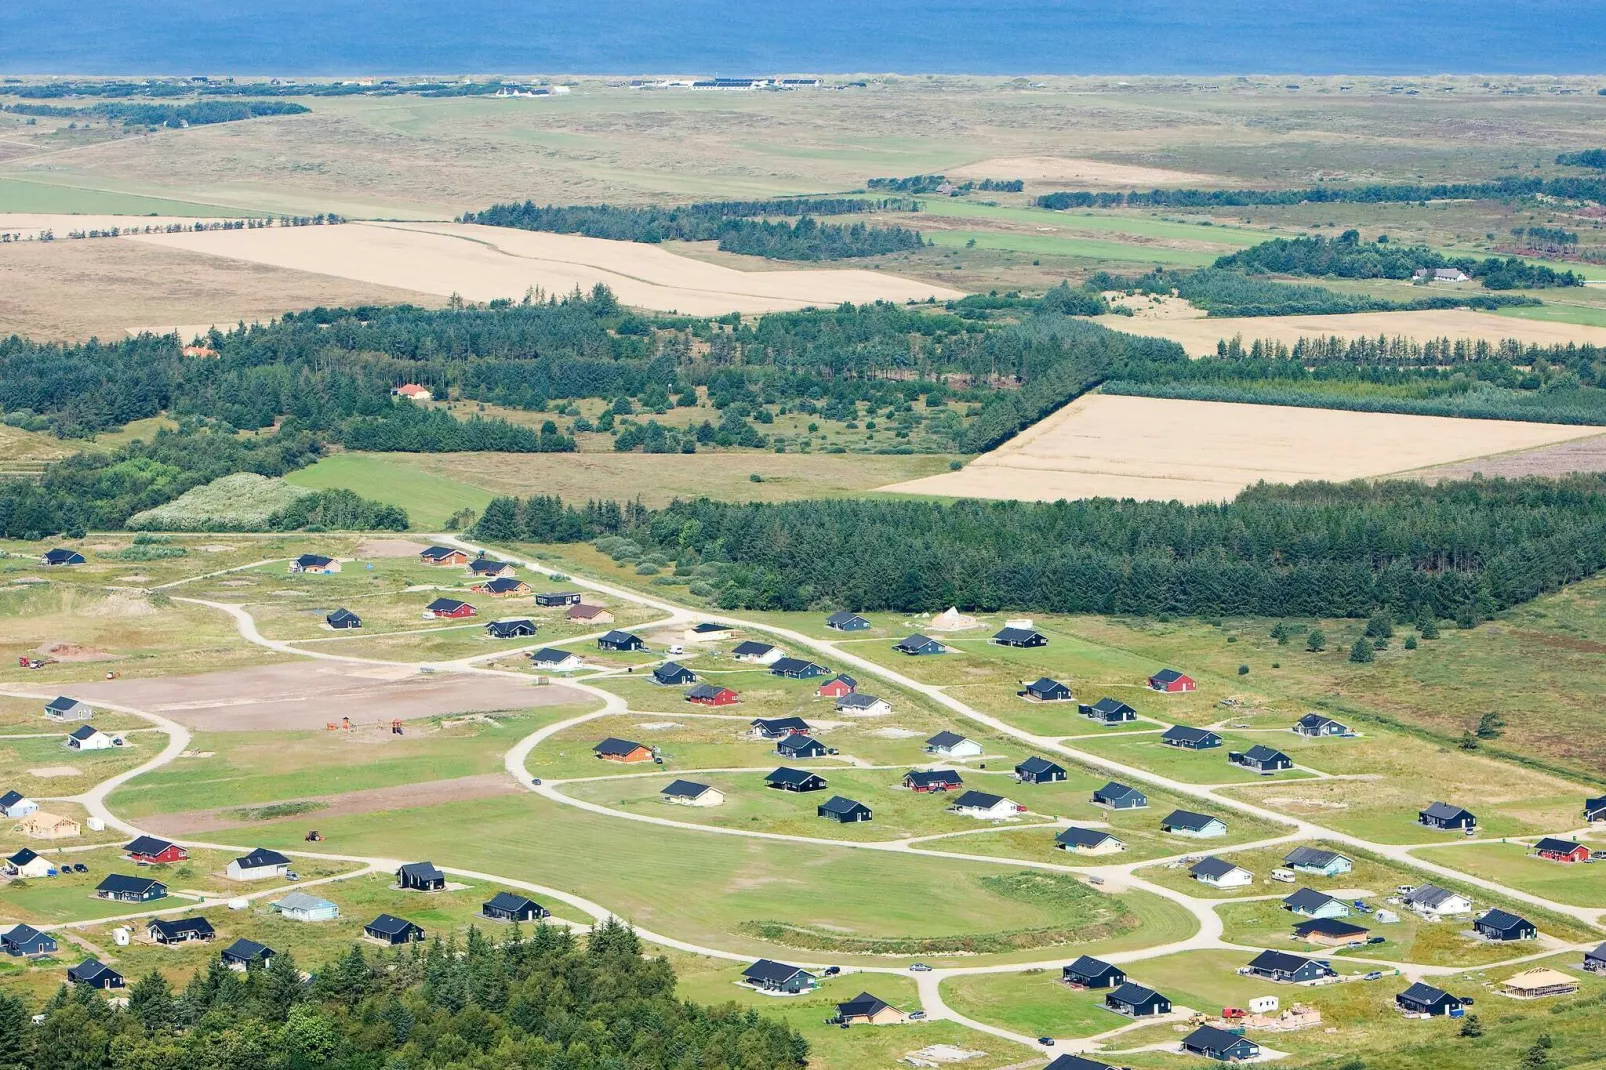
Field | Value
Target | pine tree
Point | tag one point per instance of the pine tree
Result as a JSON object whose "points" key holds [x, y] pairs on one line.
{"points": [[1361, 653], [151, 1001]]}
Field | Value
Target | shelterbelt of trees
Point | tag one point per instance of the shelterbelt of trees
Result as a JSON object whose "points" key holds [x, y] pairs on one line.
{"points": [[1226, 291], [1455, 550], [200, 113], [1567, 188], [542, 1001], [1347, 257]]}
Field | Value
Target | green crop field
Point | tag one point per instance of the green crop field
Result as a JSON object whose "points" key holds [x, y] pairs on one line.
{"points": [[429, 497]]}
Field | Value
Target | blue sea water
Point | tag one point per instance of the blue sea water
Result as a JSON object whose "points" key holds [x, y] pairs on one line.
{"points": [[742, 37]]}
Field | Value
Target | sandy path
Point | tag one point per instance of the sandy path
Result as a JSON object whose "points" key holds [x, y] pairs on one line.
{"points": [[482, 263]]}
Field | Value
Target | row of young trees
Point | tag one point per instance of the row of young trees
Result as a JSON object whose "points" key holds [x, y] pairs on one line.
{"points": [[200, 113], [687, 222], [1503, 189], [1347, 257]]}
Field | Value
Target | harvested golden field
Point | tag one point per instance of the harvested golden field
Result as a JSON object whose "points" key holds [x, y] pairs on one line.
{"points": [[482, 263], [1202, 451], [1199, 335], [1059, 171]]}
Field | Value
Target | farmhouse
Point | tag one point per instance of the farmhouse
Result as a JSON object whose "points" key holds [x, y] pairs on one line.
{"points": [[862, 705], [300, 906], [24, 941], [800, 780], [510, 628], [1261, 758], [755, 652], [691, 793], [920, 645], [181, 931], [1220, 873], [1311, 903], [622, 750], [1110, 711], [1118, 796], [980, 804], [342, 619], [44, 826], [1440, 275], [1431, 901], [1171, 682], [57, 557], [552, 659], [505, 906], [315, 565], [586, 613], [843, 621], [712, 695], [486, 569], [1036, 770], [420, 877], [1284, 968], [845, 810], [839, 685], [1315, 860], [1089, 972], [1020, 637], [125, 889], [932, 780], [502, 587], [1179, 735], [865, 1009], [1425, 999], [617, 640], [1450, 818], [86, 737], [15, 804], [389, 929], [799, 745], [95, 974], [1538, 983], [1136, 1001], [558, 598], [672, 673], [1043, 689], [62, 708], [707, 632], [26, 863], [1088, 841], [1315, 726], [1219, 1044], [776, 727], [1500, 925], [1077, 1062], [1330, 931], [797, 668], [953, 745], [441, 556], [244, 955], [448, 609], [1594, 809], [1188, 823], [258, 865], [150, 851], [1549, 847], [769, 976], [413, 392]]}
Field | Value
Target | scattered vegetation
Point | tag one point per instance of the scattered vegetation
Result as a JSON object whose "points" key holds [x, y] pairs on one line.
{"points": [[1347, 257]]}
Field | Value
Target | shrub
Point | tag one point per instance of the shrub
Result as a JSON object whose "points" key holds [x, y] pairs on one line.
{"points": [[645, 569], [1316, 642], [1429, 629], [1380, 626], [1243, 670], [1361, 653], [1410, 642]]}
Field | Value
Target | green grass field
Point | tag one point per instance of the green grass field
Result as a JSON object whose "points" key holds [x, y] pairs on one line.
{"points": [[428, 497], [1116, 253], [1034, 1002], [1578, 884], [27, 195]]}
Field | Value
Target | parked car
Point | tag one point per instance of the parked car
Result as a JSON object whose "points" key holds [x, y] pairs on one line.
{"points": [[291, 875], [1047, 1042], [919, 967], [1375, 975], [535, 782], [832, 971], [1376, 939], [916, 1016], [79, 867]]}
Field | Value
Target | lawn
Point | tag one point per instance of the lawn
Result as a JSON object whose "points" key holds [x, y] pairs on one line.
{"points": [[1369, 874], [429, 497], [1147, 752], [1577, 884], [1035, 1002], [24, 195], [20, 757]]}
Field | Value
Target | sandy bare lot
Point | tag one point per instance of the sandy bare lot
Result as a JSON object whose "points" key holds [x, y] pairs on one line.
{"points": [[1200, 451], [1199, 335], [1060, 171], [483, 263], [373, 800], [305, 695]]}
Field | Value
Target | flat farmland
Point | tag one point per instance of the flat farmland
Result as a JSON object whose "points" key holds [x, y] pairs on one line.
{"points": [[483, 263], [1205, 451]]}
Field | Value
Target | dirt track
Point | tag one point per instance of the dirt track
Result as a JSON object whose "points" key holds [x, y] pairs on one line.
{"points": [[306, 695], [373, 800]]}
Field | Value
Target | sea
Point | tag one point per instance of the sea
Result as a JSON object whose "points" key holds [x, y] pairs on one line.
{"points": [[742, 38]]}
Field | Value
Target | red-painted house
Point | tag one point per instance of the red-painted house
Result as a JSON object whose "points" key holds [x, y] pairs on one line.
{"points": [[711, 695], [1171, 681], [449, 608], [1558, 850], [150, 851], [842, 685]]}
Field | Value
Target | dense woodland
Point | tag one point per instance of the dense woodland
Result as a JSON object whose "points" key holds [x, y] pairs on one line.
{"points": [[1595, 158], [1455, 550], [1504, 189], [546, 1002], [1347, 257], [201, 113]]}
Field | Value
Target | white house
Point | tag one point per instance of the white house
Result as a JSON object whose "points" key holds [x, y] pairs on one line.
{"points": [[552, 659], [953, 745], [15, 804], [1431, 901], [299, 906], [26, 863], [981, 805], [756, 653], [86, 737], [691, 793], [1219, 873], [260, 864], [62, 708], [863, 705]]}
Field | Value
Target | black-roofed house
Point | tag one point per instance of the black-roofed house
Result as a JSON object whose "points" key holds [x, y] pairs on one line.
{"points": [[1220, 873], [389, 929], [511, 628], [932, 780], [1109, 711], [28, 863], [1261, 758], [838, 686], [787, 779], [843, 621], [920, 645], [152, 851], [1181, 735], [711, 695], [1078, 1062], [1423, 998], [24, 941], [1333, 932], [1431, 901], [984, 805], [844, 810], [1089, 972], [776, 727], [486, 568], [58, 557], [558, 598], [62, 708], [1188, 823], [88, 737], [691, 793], [751, 650], [1448, 818], [1595, 809], [1284, 968], [315, 565], [1045, 690], [953, 745], [1316, 725], [865, 1009], [770, 976], [1221, 1045], [1118, 796], [342, 619], [125, 889], [260, 864], [15, 804], [1307, 859], [1171, 681], [505, 906], [448, 609], [1020, 637], [860, 704], [1136, 1001], [1556, 849], [1085, 841], [1501, 925], [617, 640], [441, 556], [622, 750], [1595, 960], [673, 673], [180, 931], [552, 659], [244, 955], [797, 745], [420, 877], [797, 668], [1310, 903], [95, 974], [1035, 770], [708, 632]]}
